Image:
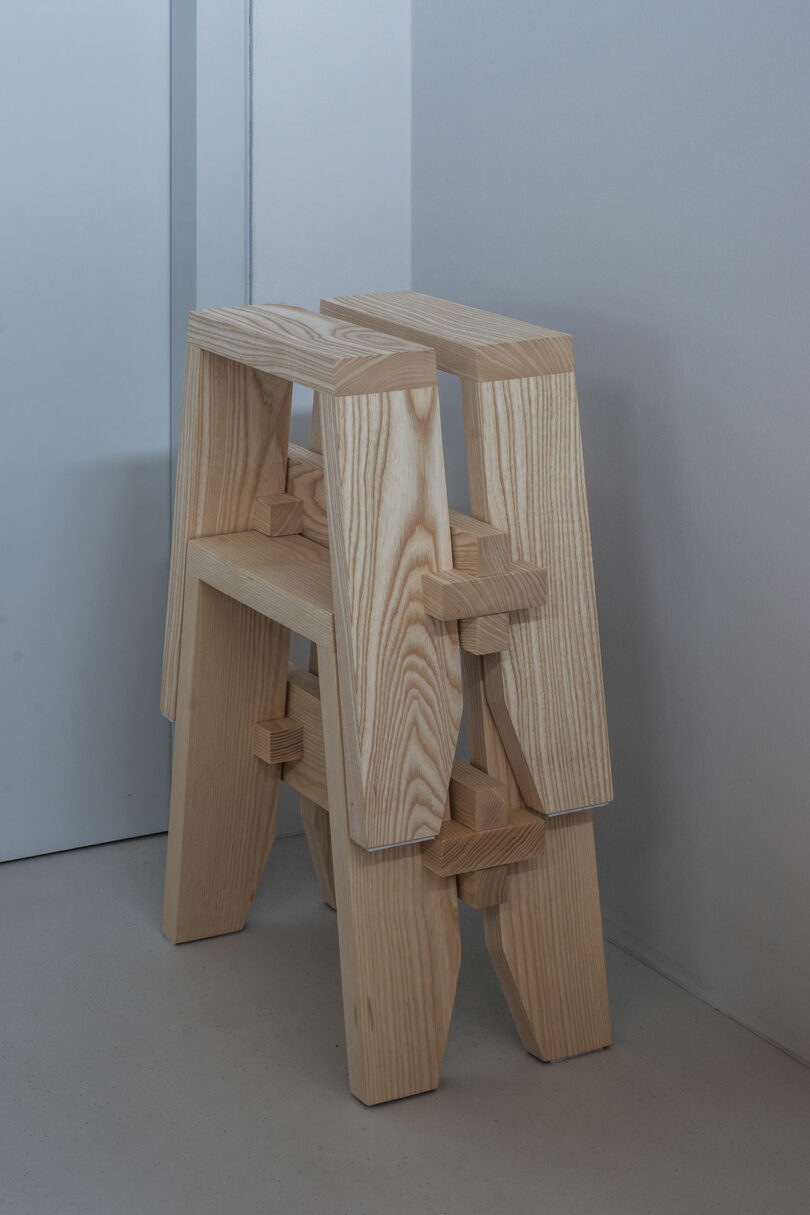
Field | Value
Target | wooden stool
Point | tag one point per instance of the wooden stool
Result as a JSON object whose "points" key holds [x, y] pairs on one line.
{"points": [[355, 549]]}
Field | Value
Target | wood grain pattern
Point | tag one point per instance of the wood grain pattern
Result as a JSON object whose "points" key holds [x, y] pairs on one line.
{"points": [[484, 634], [319, 841], [559, 1002], [457, 849], [277, 515], [467, 341], [483, 887], [307, 775], [400, 677], [313, 350], [451, 595], [546, 945], [477, 800], [278, 739], [477, 547], [400, 947], [284, 577], [224, 801], [526, 476], [233, 446], [305, 481]]}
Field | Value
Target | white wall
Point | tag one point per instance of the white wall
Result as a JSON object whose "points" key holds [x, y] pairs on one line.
{"points": [[331, 203], [84, 458], [638, 174], [331, 150]]}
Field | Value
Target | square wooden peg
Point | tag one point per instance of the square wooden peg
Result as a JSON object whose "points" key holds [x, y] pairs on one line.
{"points": [[484, 634], [278, 740], [477, 547], [277, 515], [477, 800], [483, 887]]}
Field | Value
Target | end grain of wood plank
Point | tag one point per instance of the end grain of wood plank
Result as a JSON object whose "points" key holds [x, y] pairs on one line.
{"points": [[468, 342], [451, 595], [278, 740], [313, 350], [456, 849]]}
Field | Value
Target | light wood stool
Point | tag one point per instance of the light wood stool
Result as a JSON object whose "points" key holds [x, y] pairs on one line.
{"points": [[354, 548]]}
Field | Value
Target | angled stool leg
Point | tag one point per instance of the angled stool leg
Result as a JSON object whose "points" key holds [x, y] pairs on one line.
{"points": [[224, 802], [315, 821], [545, 938], [400, 948], [314, 818]]}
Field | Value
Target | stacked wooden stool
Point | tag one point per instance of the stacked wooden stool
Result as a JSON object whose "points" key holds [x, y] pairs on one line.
{"points": [[413, 611]]}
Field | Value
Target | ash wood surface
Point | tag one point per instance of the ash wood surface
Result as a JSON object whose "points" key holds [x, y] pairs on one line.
{"points": [[526, 476], [468, 342], [400, 948], [483, 887], [277, 515], [451, 595], [305, 481], [315, 821], [477, 547], [307, 775], [559, 1003], [477, 800], [278, 740], [457, 849], [305, 471], [316, 351], [546, 945], [400, 678], [224, 801], [233, 447], [484, 634], [284, 577]]}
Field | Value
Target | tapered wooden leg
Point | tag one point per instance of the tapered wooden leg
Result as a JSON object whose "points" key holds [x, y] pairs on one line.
{"points": [[400, 948], [316, 828], [545, 938], [545, 941], [224, 802]]}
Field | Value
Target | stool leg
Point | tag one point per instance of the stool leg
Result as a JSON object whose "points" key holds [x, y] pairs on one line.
{"points": [[400, 947], [224, 802], [316, 828], [545, 939]]}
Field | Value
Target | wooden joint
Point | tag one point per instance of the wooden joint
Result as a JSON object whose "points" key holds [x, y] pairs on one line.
{"points": [[278, 740], [455, 595], [277, 515], [306, 774], [483, 887], [478, 548], [484, 634], [477, 800], [458, 849]]}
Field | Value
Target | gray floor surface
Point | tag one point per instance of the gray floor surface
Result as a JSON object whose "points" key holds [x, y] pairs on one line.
{"points": [[140, 1077]]}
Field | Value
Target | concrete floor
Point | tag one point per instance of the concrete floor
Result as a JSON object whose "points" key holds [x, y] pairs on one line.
{"points": [[140, 1077]]}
